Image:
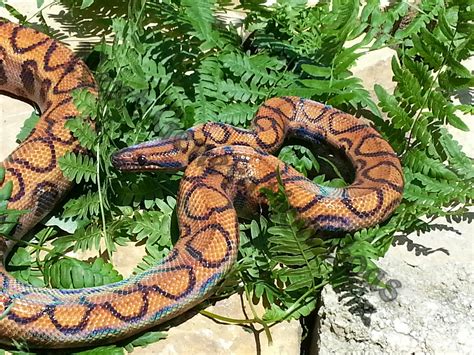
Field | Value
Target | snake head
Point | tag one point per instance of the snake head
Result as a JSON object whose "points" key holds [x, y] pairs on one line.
{"points": [[164, 154]]}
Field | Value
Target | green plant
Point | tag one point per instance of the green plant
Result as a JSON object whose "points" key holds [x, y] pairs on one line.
{"points": [[189, 67]]}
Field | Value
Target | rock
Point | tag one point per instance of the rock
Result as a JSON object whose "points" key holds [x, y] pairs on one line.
{"points": [[201, 335], [401, 327], [431, 311]]}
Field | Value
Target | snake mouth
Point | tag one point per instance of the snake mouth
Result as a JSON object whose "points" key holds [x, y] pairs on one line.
{"points": [[120, 162], [125, 160], [168, 154]]}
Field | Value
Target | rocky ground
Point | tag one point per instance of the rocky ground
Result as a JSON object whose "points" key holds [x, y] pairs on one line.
{"points": [[431, 312]]}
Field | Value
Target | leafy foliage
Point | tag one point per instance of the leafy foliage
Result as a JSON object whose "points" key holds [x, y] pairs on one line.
{"points": [[8, 218], [78, 167], [71, 273], [173, 64]]}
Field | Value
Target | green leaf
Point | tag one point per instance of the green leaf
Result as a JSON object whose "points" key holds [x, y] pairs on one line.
{"points": [[102, 350], [200, 15], [28, 126], [15, 13], [457, 122], [83, 131], [6, 190], [78, 167], [70, 273], [148, 338], [236, 114], [389, 104], [314, 70], [83, 207], [86, 3]]}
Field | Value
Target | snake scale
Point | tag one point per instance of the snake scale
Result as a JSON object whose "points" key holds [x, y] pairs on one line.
{"points": [[224, 164]]}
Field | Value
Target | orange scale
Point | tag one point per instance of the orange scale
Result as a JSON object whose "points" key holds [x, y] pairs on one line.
{"points": [[211, 244], [287, 108], [43, 323], [374, 145], [173, 282], [397, 176], [262, 173], [354, 192], [222, 168], [157, 302], [59, 132], [70, 315], [379, 172], [344, 122], [310, 110], [266, 123], [217, 133], [61, 55], [166, 148], [26, 310], [39, 155], [68, 82], [199, 137], [208, 199], [366, 205], [128, 305], [24, 39], [59, 107], [100, 318], [193, 171], [299, 193], [227, 218]]}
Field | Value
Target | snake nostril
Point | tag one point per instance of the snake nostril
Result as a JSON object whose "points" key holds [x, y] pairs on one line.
{"points": [[121, 158], [115, 160]]}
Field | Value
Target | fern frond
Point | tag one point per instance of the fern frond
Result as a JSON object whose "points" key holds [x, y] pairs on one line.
{"points": [[420, 70], [237, 114], [83, 131], [154, 226], [83, 207], [78, 167], [70, 273], [388, 103], [199, 13], [254, 70], [84, 238], [27, 127], [241, 91], [444, 110], [418, 161], [457, 158]]}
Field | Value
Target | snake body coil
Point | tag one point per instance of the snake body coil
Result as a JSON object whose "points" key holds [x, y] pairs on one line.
{"points": [[223, 163]]}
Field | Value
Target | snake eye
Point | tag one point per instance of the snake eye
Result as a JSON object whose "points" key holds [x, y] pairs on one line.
{"points": [[141, 160]]}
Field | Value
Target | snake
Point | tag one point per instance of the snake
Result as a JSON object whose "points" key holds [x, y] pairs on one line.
{"points": [[225, 167]]}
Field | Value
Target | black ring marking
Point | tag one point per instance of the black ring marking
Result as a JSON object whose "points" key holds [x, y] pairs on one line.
{"points": [[197, 255], [21, 50]]}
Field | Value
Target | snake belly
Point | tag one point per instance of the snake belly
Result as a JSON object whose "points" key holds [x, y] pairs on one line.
{"points": [[224, 164]]}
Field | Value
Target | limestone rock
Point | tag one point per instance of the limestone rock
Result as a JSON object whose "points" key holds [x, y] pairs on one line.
{"points": [[431, 312], [201, 335]]}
